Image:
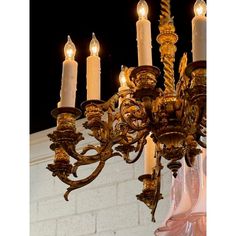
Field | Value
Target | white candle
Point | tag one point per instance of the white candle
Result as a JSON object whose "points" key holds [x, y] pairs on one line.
{"points": [[69, 76], [93, 71], [149, 153], [144, 41], [199, 31], [123, 84]]}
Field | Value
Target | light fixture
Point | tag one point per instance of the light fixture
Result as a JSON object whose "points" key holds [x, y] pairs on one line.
{"points": [[173, 118]]}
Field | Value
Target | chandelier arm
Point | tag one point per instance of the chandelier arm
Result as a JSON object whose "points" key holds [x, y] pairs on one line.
{"points": [[128, 140], [75, 184], [143, 142], [127, 146], [139, 136], [103, 156], [110, 103], [102, 151], [84, 159], [101, 134]]}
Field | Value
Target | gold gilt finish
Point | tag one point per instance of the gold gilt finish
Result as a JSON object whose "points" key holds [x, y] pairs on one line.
{"points": [[167, 39], [175, 118]]}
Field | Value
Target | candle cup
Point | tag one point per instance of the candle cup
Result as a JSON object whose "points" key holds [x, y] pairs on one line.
{"points": [[66, 117], [196, 72], [61, 156], [93, 112], [65, 134], [149, 186], [145, 79], [151, 191], [61, 165]]}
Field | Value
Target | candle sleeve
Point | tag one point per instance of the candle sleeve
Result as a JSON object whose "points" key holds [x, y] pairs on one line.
{"points": [[144, 42], [69, 83], [149, 159], [93, 78], [199, 38]]}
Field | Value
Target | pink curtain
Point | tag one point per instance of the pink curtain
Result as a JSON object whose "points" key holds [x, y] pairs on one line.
{"points": [[187, 213]]}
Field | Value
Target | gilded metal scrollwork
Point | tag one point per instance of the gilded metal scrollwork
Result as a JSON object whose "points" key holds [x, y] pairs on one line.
{"points": [[175, 118]]}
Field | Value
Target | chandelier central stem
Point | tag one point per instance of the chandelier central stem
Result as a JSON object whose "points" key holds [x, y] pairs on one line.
{"points": [[167, 39]]}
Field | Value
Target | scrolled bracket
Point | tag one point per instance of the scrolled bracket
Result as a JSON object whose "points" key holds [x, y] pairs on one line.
{"points": [[127, 147], [82, 182], [133, 114]]}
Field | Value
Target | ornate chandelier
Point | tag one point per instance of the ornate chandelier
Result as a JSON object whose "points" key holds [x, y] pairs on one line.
{"points": [[169, 123]]}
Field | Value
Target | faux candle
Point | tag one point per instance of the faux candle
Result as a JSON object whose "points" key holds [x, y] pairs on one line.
{"points": [[69, 76], [143, 28], [199, 31], [149, 153], [93, 71]]}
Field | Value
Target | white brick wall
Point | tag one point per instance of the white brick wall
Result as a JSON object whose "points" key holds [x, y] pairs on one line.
{"points": [[106, 207]]}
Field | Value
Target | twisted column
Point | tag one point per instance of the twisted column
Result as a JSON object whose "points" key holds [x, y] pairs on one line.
{"points": [[169, 80], [167, 39], [165, 9]]}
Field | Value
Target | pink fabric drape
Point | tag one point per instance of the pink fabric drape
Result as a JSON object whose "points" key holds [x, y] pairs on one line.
{"points": [[187, 213]]}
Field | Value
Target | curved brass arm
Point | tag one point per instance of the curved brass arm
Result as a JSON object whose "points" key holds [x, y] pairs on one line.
{"points": [[74, 184], [63, 170], [129, 161]]}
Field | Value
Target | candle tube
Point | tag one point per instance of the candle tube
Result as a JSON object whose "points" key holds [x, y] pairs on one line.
{"points": [[149, 156], [143, 28], [93, 70], [69, 76], [199, 31]]}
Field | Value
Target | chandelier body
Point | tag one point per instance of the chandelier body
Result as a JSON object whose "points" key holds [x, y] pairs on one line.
{"points": [[175, 117]]}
